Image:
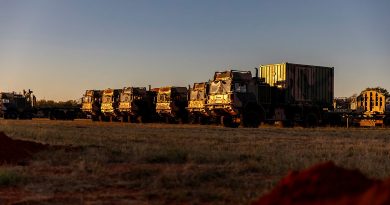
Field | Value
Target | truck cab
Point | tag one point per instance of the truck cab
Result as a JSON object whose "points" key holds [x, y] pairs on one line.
{"points": [[91, 103], [171, 103], [197, 103], [110, 103], [232, 95], [14, 106], [136, 104]]}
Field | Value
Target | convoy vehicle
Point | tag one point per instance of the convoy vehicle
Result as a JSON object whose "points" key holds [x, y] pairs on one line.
{"points": [[233, 98], [91, 104], [17, 106], [197, 103], [24, 106], [110, 104], [136, 104], [283, 94], [171, 104]]}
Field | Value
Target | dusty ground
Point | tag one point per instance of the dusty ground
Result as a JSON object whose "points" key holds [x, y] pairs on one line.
{"points": [[114, 163]]}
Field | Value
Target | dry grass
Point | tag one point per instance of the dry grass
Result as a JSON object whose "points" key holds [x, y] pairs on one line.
{"points": [[175, 164]]}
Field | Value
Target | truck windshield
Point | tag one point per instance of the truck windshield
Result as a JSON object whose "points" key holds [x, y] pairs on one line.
{"points": [[107, 99], [163, 97], [87, 99], [239, 88], [125, 97], [197, 95], [220, 87]]}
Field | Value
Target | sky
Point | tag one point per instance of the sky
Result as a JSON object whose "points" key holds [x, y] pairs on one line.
{"points": [[60, 48]]}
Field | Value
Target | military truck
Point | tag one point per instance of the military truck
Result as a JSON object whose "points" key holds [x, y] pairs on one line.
{"points": [[110, 104], [17, 106], [91, 104], [171, 104], [233, 99], [284, 94], [24, 106], [136, 104], [197, 103]]}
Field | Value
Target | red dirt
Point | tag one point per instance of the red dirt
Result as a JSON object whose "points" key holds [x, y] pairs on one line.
{"points": [[327, 184], [17, 151]]}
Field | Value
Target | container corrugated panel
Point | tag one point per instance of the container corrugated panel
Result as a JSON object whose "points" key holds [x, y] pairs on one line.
{"points": [[302, 84]]}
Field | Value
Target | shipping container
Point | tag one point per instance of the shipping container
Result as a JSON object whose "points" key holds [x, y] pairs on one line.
{"points": [[300, 84]]}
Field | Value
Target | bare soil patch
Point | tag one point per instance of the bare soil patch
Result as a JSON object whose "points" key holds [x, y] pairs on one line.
{"points": [[17, 151], [327, 184]]}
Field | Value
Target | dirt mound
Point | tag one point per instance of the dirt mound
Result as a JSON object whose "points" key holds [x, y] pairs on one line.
{"points": [[17, 151], [327, 184]]}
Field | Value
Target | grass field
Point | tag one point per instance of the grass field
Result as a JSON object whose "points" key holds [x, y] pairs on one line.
{"points": [[176, 164]]}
